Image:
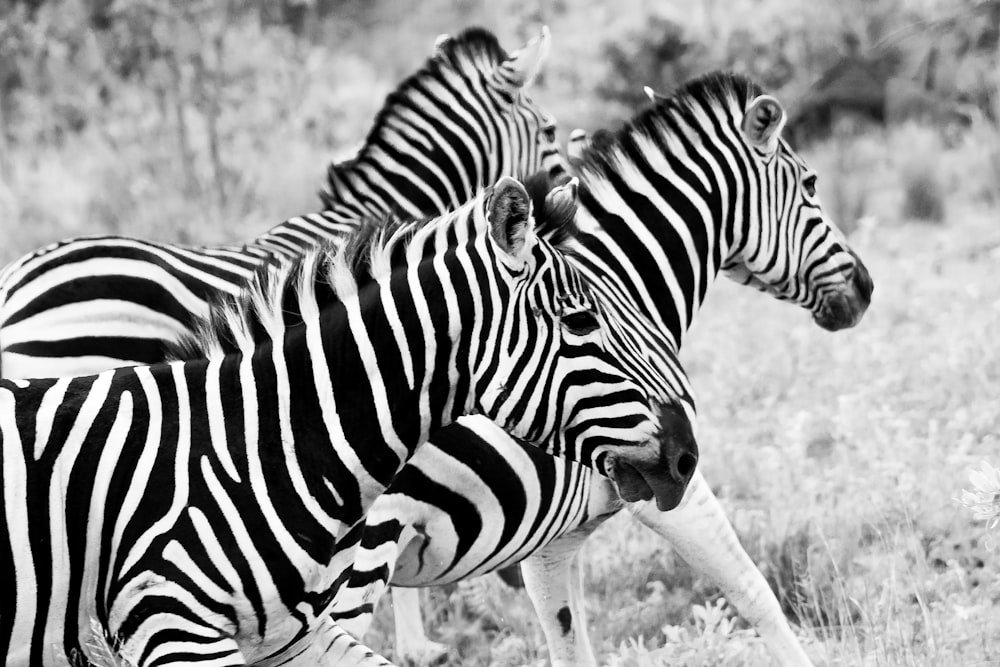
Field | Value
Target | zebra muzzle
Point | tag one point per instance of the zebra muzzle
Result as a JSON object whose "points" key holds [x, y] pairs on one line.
{"points": [[845, 308], [662, 471]]}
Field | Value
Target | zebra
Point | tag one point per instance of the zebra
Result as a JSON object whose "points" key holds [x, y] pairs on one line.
{"points": [[209, 510], [460, 122], [699, 184]]}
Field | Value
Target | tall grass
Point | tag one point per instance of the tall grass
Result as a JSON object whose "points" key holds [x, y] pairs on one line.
{"points": [[125, 173]]}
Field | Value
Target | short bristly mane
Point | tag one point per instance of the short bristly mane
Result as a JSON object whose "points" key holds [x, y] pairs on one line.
{"points": [[471, 52], [285, 295], [715, 90]]}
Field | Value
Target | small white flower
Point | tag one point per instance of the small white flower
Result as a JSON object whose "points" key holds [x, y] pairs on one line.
{"points": [[984, 498]]}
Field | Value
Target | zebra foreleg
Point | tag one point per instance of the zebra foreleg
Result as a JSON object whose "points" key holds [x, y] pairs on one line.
{"points": [[336, 647], [412, 645], [553, 581], [699, 531]]}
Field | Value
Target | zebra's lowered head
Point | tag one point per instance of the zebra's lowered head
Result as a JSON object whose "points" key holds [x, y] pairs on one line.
{"points": [[603, 408]]}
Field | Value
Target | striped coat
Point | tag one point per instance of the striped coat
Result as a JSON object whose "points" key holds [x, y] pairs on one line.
{"points": [[209, 511]]}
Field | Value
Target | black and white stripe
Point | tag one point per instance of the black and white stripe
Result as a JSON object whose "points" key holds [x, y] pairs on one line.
{"points": [[689, 188], [209, 511], [458, 124]]}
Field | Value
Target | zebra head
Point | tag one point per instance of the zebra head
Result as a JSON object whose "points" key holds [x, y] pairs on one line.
{"points": [[520, 138], [528, 126], [703, 182], [556, 374], [458, 124], [787, 246]]}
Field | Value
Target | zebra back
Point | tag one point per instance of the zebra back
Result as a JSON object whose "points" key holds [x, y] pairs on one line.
{"points": [[459, 123]]}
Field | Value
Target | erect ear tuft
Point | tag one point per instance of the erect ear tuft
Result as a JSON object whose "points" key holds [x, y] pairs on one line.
{"points": [[763, 123], [560, 212], [563, 197], [523, 66], [579, 139], [509, 211], [554, 207], [654, 96]]}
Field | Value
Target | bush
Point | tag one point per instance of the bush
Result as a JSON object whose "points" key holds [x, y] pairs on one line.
{"points": [[918, 155], [923, 196]]}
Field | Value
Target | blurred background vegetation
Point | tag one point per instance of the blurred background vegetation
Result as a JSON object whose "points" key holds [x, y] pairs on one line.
{"points": [[838, 456], [212, 119]]}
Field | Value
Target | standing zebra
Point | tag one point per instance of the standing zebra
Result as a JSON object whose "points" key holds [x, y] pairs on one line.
{"points": [[459, 123], [209, 511], [698, 184], [703, 182]]}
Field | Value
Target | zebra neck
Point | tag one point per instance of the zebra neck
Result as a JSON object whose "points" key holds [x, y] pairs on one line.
{"points": [[359, 190], [366, 386], [364, 188], [664, 247]]}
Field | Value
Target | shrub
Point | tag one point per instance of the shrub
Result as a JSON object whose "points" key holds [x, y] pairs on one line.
{"points": [[917, 152]]}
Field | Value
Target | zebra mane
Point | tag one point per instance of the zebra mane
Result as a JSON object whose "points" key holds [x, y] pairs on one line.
{"points": [[715, 90], [284, 295], [472, 52]]}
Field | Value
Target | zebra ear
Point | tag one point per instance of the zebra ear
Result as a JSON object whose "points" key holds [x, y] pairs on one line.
{"points": [[653, 96], [564, 197], [763, 123], [523, 66], [560, 212], [440, 40], [578, 142], [509, 210]]}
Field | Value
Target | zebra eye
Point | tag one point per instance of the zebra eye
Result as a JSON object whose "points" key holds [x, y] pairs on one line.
{"points": [[809, 185], [580, 323], [549, 132]]}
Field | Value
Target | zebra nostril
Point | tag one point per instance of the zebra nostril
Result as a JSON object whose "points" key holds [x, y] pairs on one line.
{"points": [[685, 465]]}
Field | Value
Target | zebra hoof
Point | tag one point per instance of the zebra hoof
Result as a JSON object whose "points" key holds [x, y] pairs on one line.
{"points": [[425, 654]]}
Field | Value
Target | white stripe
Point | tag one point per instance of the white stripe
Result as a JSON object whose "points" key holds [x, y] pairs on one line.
{"points": [[46, 414], [251, 427], [110, 453], [182, 482], [24, 583], [89, 411], [217, 417]]}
